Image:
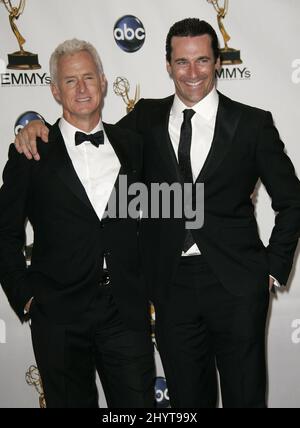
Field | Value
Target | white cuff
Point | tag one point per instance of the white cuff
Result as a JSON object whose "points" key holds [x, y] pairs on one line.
{"points": [[276, 283]]}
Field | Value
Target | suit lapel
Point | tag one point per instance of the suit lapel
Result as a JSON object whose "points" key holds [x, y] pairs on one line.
{"points": [[127, 151], [163, 141], [63, 167], [227, 120]]}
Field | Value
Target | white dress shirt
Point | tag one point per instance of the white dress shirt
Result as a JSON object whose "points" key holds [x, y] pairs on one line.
{"points": [[203, 128]]}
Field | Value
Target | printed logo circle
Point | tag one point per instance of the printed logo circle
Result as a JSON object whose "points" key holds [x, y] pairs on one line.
{"points": [[129, 33], [25, 118], [161, 393]]}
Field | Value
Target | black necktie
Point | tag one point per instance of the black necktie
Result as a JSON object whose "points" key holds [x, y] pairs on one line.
{"points": [[96, 139], [184, 160]]}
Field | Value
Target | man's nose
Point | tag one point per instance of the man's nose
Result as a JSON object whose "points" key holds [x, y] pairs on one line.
{"points": [[192, 71], [81, 86]]}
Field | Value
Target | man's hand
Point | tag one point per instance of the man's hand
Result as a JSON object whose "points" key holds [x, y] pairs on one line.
{"points": [[25, 141]]}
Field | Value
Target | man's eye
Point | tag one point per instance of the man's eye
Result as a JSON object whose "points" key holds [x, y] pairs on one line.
{"points": [[203, 60]]}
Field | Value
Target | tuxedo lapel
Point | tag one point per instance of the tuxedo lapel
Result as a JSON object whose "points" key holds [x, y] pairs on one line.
{"points": [[63, 167], [227, 120], [129, 156]]}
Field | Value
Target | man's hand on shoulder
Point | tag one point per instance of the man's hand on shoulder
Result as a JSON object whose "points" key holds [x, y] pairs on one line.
{"points": [[25, 141]]}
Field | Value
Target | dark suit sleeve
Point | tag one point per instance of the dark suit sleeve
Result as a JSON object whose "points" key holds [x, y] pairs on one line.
{"points": [[278, 175], [132, 120], [13, 207]]}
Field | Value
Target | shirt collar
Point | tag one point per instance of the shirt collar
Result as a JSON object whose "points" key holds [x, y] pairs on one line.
{"points": [[68, 131], [207, 107]]}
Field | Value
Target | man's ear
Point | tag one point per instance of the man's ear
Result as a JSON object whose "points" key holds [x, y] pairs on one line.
{"points": [[218, 64], [169, 69], [103, 81], [55, 92]]}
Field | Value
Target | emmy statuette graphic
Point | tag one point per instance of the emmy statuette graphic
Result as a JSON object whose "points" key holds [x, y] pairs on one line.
{"points": [[20, 60], [229, 56], [33, 379], [122, 88]]}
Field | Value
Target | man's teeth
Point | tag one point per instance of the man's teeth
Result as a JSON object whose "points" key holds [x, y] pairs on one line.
{"points": [[194, 83]]}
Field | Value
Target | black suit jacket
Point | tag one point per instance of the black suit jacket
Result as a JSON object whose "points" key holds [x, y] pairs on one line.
{"points": [[69, 239], [246, 147]]}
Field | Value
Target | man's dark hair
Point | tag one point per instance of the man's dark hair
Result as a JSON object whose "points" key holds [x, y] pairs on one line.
{"points": [[191, 27]]}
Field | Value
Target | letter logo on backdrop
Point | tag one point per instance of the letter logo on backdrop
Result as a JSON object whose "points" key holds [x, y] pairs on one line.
{"points": [[161, 393], [19, 60], [229, 56], [24, 62], [129, 33]]}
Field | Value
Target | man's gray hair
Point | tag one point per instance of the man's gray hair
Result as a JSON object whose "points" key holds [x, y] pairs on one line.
{"points": [[71, 47]]}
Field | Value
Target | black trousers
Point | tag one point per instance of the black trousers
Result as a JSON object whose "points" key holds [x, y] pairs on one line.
{"points": [[202, 326], [68, 357]]}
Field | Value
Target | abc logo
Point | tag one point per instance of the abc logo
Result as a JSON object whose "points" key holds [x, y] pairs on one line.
{"points": [[161, 393], [129, 33], [25, 118]]}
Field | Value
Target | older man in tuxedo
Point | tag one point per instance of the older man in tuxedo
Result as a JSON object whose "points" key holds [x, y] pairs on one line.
{"points": [[83, 290]]}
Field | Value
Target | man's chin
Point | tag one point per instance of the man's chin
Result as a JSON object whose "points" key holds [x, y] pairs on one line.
{"points": [[191, 101], [84, 112]]}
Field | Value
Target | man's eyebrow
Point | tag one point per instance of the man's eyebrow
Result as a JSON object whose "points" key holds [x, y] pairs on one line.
{"points": [[74, 77], [69, 77], [199, 57], [180, 59]]}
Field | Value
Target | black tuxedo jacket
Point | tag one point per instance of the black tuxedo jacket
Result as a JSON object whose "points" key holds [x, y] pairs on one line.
{"points": [[246, 147], [69, 239]]}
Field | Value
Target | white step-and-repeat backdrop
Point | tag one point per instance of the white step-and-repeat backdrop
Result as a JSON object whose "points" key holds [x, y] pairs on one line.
{"points": [[130, 36]]}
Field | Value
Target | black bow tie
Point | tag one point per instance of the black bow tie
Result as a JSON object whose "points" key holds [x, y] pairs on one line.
{"points": [[96, 139]]}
